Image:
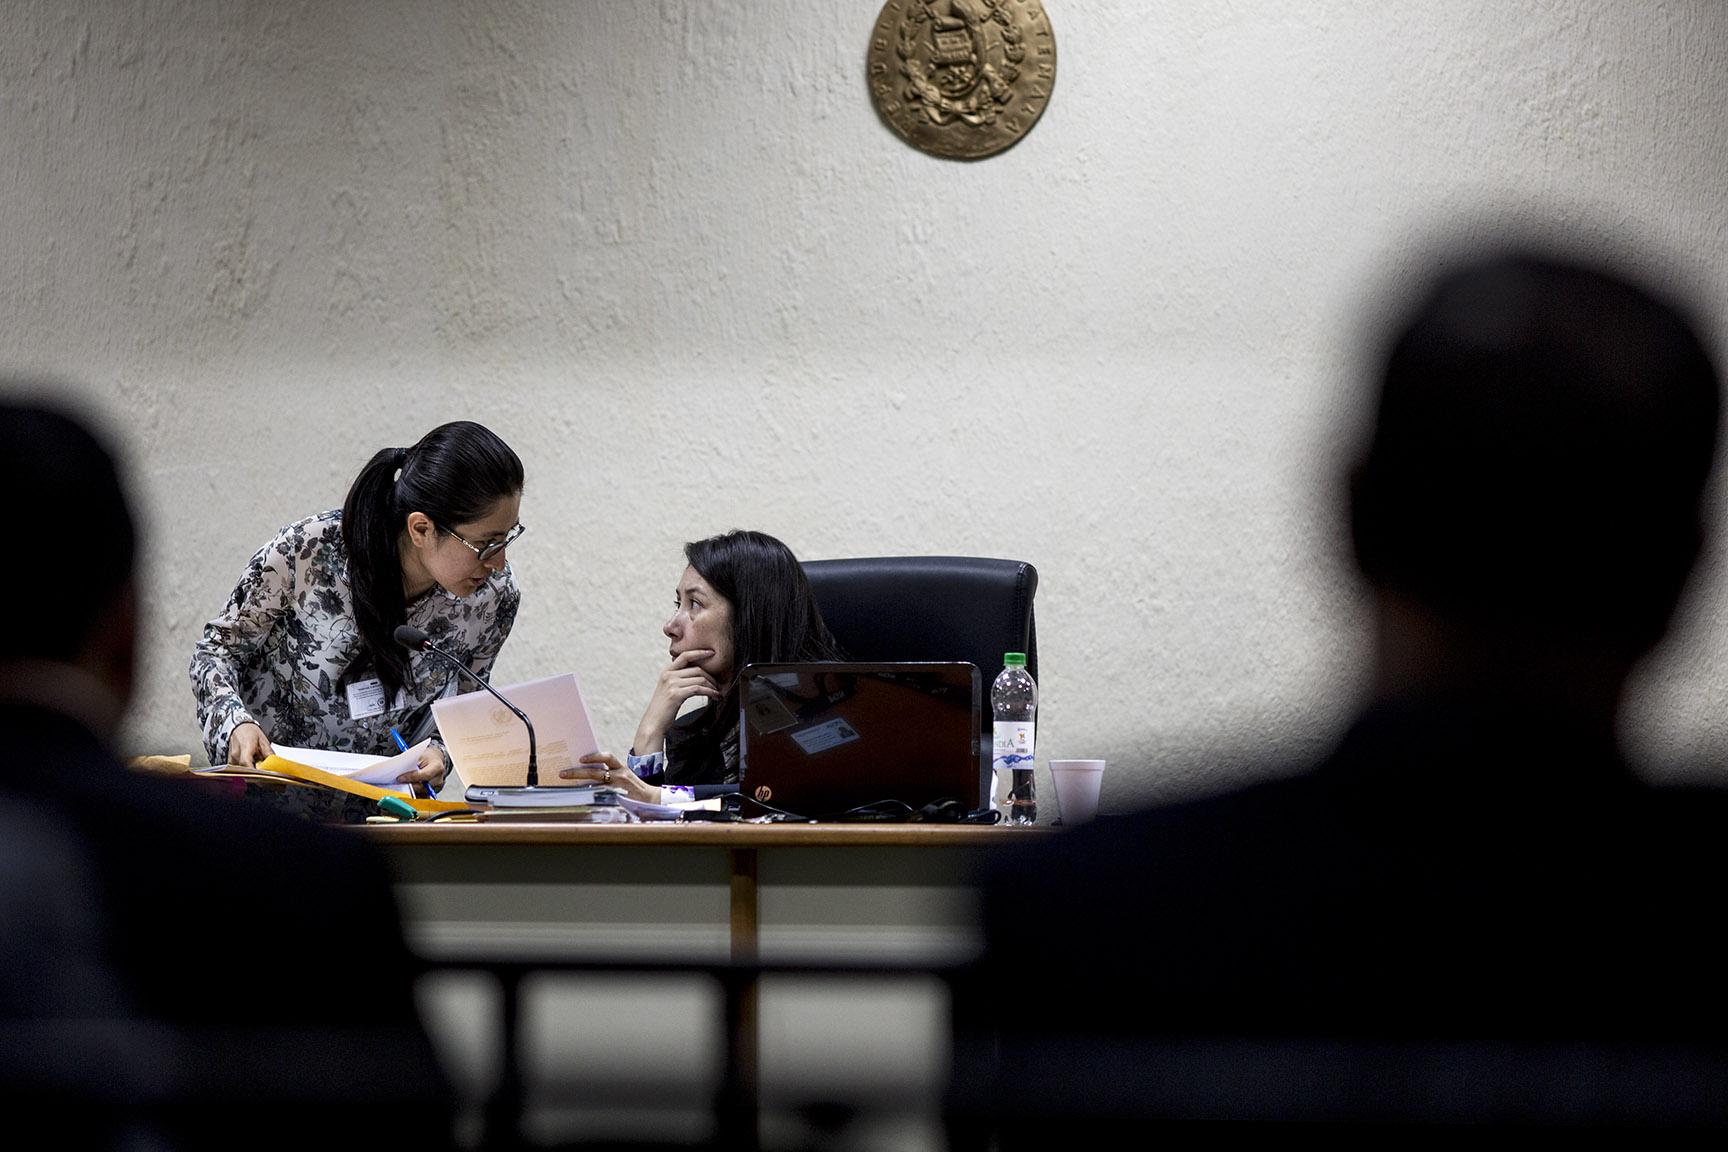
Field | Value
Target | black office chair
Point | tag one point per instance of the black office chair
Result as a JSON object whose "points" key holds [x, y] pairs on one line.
{"points": [[932, 608]]}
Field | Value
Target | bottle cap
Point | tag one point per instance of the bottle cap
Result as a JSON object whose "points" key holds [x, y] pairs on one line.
{"points": [[1014, 659]]}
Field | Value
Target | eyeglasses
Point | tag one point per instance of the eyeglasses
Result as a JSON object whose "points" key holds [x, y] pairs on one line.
{"points": [[490, 550]]}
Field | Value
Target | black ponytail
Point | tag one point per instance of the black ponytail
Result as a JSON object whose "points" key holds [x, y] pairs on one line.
{"points": [[455, 474]]}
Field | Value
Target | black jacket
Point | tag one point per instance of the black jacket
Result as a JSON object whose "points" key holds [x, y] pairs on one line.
{"points": [[258, 962], [1447, 877]]}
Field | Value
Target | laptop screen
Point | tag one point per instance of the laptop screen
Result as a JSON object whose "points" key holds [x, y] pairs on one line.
{"points": [[823, 739]]}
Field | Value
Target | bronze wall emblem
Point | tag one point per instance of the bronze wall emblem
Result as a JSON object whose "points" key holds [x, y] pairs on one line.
{"points": [[962, 78]]}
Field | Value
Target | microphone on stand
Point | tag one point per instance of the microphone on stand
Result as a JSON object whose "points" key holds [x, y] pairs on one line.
{"points": [[411, 637]]}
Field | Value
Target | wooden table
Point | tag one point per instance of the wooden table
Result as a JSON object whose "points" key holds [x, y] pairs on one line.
{"points": [[889, 894], [840, 891]]}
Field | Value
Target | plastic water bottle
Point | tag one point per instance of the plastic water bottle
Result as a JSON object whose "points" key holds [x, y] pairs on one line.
{"points": [[1014, 701]]}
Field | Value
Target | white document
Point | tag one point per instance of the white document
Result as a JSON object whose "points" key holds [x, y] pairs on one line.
{"points": [[489, 745], [646, 811], [379, 770]]}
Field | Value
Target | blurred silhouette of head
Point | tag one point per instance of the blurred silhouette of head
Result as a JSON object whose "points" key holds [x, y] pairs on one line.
{"points": [[1543, 436], [68, 587]]}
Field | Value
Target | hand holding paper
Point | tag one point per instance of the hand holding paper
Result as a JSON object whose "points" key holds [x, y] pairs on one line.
{"points": [[378, 770], [489, 746]]}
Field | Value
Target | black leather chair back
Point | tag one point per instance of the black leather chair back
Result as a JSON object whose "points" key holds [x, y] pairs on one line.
{"points": [[932, 608]]}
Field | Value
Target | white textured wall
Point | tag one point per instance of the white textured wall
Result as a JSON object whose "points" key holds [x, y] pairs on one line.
{"points": [[669, 252]]}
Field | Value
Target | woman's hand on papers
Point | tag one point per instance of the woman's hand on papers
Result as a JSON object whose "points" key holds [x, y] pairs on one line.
{"points": [[604, 769], [431, 771], [247, 744], [680, 681]]}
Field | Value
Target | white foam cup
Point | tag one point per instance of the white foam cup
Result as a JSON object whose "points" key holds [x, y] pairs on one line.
{"points": [[1077, 786]]}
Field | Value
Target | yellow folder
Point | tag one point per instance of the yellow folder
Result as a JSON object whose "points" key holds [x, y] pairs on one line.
{"points": [[302, 772]]}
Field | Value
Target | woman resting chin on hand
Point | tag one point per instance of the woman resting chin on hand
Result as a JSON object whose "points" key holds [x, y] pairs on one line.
{"points": [[743, 599]]}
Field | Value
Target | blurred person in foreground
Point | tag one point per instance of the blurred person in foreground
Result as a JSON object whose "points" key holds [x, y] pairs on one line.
{"points": [[182, 970], [1471, 912]]}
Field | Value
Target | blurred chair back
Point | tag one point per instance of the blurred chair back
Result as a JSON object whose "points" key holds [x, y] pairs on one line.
{"points": [[885, 608]]}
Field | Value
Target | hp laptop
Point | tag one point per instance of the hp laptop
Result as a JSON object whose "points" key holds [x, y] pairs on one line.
{"points": [[826, 740]]}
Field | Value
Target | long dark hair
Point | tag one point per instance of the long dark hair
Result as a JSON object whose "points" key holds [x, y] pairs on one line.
{"points": [[774, 614], [455, 474]]}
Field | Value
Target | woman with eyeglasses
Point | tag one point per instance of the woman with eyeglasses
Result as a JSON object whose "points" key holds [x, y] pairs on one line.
{"points": [[304, 652]]}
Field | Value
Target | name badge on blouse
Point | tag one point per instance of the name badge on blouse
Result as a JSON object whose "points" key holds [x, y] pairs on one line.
{"points": [[365, 698]]}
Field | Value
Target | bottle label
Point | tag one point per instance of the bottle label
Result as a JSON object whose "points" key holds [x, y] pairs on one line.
{"points": [[1013, 744]]}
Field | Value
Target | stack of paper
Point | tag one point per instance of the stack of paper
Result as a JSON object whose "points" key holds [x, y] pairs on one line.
{"points": [[481, 795], [379, 770], [579, 814], [286, 764]]}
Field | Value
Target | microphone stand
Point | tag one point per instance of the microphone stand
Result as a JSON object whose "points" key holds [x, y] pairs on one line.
{"points": [[414, 638]]}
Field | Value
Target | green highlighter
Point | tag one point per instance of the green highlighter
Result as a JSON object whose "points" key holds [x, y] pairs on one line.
{"points": [[397, 807]]}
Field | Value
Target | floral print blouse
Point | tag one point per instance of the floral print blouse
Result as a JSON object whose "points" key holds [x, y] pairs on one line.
{"points": [[286, 647]]}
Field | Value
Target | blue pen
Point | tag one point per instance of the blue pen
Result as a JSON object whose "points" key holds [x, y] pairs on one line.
{"points": [[403, 745]]}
